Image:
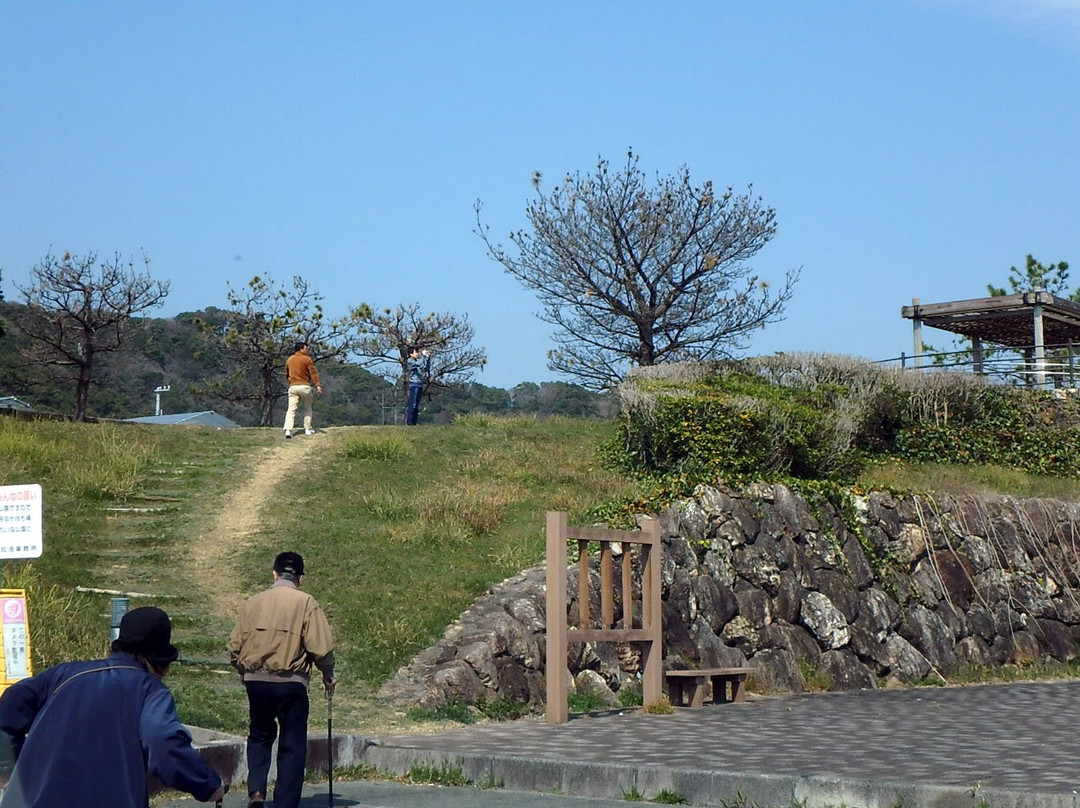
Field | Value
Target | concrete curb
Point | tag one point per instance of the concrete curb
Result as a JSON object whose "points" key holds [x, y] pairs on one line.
{"points": [[227, 754], [617, 780]]}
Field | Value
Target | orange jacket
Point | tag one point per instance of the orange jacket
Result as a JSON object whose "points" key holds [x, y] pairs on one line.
{"points": [[301, 370]]}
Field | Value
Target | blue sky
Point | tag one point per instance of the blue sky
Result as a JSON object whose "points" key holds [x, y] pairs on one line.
{"points": [[911, 148]]}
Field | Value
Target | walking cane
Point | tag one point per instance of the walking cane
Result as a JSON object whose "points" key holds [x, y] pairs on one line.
{"points": [[330, 746]]}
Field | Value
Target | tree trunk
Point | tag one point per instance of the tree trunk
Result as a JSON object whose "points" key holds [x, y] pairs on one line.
{"points": [[82, 390], [266, 412]]}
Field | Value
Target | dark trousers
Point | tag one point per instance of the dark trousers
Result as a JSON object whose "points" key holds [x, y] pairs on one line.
{"points": [[412, 409], [273, 705]]}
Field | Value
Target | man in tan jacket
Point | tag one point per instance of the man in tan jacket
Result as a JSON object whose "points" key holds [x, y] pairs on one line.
{"points": [[281, 633]]}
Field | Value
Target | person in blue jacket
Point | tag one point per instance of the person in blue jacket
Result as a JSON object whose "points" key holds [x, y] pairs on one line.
{"points": [[417, 370], [88, 733]]}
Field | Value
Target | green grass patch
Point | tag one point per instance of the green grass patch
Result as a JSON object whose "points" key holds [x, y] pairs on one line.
{"points": [[209, 697], [634, 795], [666, 796], [443, 774], [661, 707], [629, 697], [898, 475], [456, 711], [503, 709], [397, 549], [64, 624], [120, 503], [585, 701]]}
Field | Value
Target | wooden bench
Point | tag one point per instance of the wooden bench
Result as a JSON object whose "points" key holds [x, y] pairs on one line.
{"points": [[693, 682]]}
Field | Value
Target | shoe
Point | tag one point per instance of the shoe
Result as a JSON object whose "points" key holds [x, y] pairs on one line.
{"points": [[288, 433], [257, 800], [309, 431]]}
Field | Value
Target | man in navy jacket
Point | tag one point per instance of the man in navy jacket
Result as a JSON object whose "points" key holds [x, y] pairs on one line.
{"points": [[88, 733]]}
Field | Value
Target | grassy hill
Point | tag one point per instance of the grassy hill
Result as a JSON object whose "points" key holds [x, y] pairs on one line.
{"points": [[401, 530]]}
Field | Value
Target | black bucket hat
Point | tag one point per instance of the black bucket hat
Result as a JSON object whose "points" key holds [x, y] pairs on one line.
{"points": [[146, 632]]}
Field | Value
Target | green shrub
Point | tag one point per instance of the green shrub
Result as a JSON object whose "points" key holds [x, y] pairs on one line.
{"points": [[811, 418]]}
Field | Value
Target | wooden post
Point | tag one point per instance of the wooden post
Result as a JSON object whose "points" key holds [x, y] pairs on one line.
{"points": [[556, 673], [583, 583], [652, 656], [607, 588], [1040, 348], [916, 328]]}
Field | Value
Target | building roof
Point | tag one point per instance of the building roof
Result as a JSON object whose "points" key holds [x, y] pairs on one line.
{"points": [[1004, 320], [12, 403], [206, 418]]}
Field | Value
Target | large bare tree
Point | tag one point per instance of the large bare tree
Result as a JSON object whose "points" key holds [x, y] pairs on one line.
{"points": [[633, 273], [389, 333], [78, 308], [257, 332]]}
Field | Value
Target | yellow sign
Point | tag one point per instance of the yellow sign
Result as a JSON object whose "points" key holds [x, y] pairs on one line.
{"points": [[15, 626]]}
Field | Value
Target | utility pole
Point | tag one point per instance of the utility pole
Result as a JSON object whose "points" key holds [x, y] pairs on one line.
{"points": [[157, 398]]}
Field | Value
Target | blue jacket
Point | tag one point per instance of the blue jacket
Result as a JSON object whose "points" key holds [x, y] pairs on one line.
{"points": [[87, 733], [418, 368]]}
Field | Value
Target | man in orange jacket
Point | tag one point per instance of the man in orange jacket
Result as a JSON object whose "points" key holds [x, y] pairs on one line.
{"points": [[303, 382]]}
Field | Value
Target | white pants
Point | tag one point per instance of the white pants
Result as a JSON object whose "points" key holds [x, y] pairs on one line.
{"points": [[299, 393]]}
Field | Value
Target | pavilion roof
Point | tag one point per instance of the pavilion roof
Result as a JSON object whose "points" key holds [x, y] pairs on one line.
{"points": [[1003, 320]]}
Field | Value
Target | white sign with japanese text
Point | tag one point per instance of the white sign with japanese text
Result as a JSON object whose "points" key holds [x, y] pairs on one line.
{"points": [[20, 521]]}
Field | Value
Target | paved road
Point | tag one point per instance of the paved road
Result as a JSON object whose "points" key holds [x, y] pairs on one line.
{"points": [[394, 795], [1008, 746]]}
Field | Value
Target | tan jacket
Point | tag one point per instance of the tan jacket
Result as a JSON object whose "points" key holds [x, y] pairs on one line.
{"points": [[281, 633]]}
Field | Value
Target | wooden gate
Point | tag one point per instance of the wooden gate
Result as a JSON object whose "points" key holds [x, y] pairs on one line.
{"points": [[649, 636]]}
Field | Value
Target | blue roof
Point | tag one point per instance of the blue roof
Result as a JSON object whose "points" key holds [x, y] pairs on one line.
{"points": [[207, 418], [12, 403]]}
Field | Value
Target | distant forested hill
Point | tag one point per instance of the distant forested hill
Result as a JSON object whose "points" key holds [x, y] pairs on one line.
{"points": [[175, 352]]}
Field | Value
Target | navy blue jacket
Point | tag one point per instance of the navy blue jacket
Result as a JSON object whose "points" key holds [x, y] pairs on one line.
{"points": [[418, 368], [87, 734]]}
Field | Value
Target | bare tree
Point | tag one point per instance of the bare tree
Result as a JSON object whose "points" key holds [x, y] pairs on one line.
{"points": [[388, 334], [78, 308], [633, 274], [257, 332]]}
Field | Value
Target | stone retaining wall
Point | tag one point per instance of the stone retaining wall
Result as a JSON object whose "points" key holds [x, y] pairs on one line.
{"points": [[905, 588]]}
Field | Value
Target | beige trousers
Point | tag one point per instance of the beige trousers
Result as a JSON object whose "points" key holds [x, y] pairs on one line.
{"points": [[299, 394]]}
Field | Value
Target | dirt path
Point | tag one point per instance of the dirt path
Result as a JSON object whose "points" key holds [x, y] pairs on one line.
{"points": [[216, 550], [240, 521]]}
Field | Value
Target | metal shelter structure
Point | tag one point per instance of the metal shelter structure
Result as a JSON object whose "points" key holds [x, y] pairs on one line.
{"points": [[1029, 322]]}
